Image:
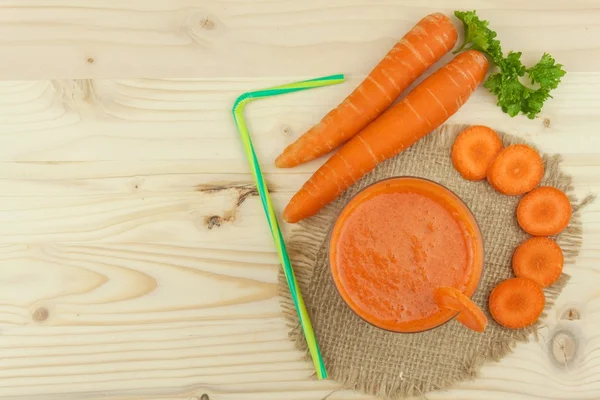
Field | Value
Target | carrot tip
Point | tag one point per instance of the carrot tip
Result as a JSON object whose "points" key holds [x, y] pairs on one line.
{"points": [[281, 162], [289, 217]]}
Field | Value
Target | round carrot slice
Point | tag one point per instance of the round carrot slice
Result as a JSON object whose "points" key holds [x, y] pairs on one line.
{"points": [[469, 315], [474, 150], [544, 211], [517, 302], [539, 259], [516, 170]]}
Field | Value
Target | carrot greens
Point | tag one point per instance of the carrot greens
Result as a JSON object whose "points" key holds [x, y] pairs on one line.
{"points": [[513, 96]]}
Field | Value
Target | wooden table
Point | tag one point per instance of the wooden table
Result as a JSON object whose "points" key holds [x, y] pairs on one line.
{"points": [[135, 260]]}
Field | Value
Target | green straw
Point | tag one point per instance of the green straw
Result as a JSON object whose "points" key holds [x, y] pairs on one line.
{"points": [[238, 116]]}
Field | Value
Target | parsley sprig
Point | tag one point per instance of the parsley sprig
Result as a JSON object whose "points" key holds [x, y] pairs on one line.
{"points": [[513, 96]]}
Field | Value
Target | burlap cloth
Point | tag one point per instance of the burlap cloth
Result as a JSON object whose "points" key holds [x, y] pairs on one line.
{"points": [[395, 365]]}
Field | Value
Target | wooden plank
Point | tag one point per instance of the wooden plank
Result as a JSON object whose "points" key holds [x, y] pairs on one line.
{"points": [[192, 38], [82, 321], [128, 120], [148, 202]]}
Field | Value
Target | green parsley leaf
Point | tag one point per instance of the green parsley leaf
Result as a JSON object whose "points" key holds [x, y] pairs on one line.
{"points": [[506, 85], [512, 65], [513, 96], [478, 36], [546, 72], [510, 92]]}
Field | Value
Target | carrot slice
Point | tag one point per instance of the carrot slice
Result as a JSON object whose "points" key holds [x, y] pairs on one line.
{"points": [[539, 259], [516, 170], [545, 211], [474, 150], [469, 315], [517, 302]]}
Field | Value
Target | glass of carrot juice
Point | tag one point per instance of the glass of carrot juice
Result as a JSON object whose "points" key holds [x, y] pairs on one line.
{"points": [[395, 243]]}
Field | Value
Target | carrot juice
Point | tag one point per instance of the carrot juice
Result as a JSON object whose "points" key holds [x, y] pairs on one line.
{"points": [[397, 241]]}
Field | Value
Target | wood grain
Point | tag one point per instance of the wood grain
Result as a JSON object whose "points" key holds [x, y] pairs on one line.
{"points": [[155, 276], [135, 261], [79, 120], [100, 38]]}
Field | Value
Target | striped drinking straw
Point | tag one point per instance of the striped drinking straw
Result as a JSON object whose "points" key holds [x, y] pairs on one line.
{"points": [[238, 116]]}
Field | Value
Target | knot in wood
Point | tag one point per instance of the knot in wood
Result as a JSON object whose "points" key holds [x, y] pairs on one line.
{"points": [[571, 314], [40, 314], [546, 122], [213, 221], [563, 348], [207, 24]]}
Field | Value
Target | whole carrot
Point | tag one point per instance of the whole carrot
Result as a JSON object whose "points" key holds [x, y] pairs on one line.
{"points": [[419, 49], [425, 108]]}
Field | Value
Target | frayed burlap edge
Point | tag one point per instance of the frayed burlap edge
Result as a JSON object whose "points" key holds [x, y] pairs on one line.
{"points": [[306, 240]]}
